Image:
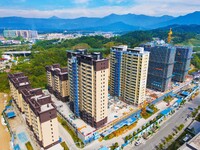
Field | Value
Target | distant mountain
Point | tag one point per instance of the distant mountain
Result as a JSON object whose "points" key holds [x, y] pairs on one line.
{"points": [[112, 22], [192, 18], [114, 27], [54, 17], [134, 20]]}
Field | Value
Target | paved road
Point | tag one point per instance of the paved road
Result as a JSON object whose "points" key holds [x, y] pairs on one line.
{"points": [[66, 137], [167, 127]]}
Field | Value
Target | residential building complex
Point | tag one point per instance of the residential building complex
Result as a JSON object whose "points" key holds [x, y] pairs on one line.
{"points": [[161, 64], [182, 63], [88, 75], [57, 81], [17, 83], [26, 34], [39, 110], [128, 73]]}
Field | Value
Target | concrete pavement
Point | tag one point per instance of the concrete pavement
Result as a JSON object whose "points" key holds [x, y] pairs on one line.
{"points": [[66, 137]]}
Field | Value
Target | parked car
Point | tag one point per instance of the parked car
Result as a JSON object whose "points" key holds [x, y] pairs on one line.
{"points": [[138, 142]]}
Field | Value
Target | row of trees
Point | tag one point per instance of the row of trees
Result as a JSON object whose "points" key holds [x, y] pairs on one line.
{"points": [[168, 139]]}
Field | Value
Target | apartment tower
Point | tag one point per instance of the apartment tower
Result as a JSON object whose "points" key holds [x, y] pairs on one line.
{"points": [[161, 64], [39, 110], [182, 63], [57, 82], [17, 83], [128, 73], [88, 75]]}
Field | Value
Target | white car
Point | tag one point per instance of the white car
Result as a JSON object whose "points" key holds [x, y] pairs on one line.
{"points": [[138, 142]]}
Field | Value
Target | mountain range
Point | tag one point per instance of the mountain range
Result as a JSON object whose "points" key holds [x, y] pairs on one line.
{"points": [[112, 22]]}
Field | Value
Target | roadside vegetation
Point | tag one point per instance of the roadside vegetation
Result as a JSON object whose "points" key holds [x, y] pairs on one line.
{"points": [[167, 142]]}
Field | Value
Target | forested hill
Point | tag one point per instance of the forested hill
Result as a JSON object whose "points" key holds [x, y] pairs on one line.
{"points": [[54, 51]]}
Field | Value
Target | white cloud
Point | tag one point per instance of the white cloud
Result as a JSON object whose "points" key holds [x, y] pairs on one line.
{"points": [[81, 1], [147, 7], [116, 1]]}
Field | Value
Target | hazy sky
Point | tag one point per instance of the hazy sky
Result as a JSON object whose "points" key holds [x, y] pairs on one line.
{"points": [[95, 8]]}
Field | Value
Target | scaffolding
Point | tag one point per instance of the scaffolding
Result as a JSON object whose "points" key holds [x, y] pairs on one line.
{"points": [[75, 86], [117, 72], [161, 64], [182, 63]]}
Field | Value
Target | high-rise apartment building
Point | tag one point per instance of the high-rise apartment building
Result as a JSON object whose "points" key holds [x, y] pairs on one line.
{"points": [[57, 82], [128, 73], [18, 82], [182, 63], [39, 110], [88, 75], [161, 64], [26, 34]]}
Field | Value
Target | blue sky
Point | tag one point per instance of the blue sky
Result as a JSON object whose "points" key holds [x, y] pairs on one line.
{"points": [[95, 8]]}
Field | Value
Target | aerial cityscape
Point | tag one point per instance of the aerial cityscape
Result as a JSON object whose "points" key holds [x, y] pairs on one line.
{"points": [[106, 75]]}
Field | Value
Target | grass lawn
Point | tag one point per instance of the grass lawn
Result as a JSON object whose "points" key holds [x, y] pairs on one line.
{"points": [[64, 145], [29, 146], [71, 132]]}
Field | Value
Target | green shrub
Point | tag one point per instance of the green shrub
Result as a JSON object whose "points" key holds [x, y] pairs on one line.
{"points": [[64, 145], [29, 146]]}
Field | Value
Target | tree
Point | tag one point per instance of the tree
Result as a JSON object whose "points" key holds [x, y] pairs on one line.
{"points": [[126, 138], [161, 146], [134, 133], [116, 144]]}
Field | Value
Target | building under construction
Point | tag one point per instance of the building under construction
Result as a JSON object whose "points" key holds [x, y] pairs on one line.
{"points": [[161, 63], [182, 63]]}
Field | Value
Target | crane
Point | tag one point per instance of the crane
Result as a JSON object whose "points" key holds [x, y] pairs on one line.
{"points": [[169, 35]]}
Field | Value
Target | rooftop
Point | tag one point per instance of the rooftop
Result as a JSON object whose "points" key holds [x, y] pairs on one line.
{"points": [[46, 107], [18, 79]]}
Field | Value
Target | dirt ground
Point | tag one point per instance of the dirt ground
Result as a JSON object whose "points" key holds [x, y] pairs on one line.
{"points": [[4, 134]]}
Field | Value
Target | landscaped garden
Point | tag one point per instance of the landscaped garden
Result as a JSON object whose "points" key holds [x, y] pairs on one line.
{"points": [[120, 131], [64, 145], [168, 99], [145, 113]]}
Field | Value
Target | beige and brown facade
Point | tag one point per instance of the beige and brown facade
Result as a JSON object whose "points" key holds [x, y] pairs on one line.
{"points": [[88, 75], [57, 82], [39, 110], [17, 83], [128, 74]]}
